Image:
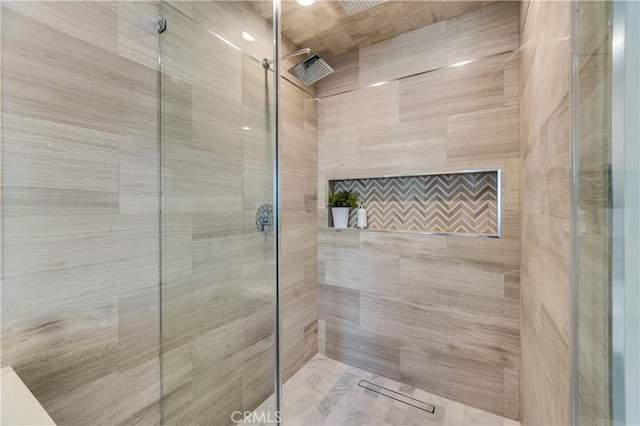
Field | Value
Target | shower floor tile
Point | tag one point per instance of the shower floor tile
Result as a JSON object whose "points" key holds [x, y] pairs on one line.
{"points": [[326, 392]]}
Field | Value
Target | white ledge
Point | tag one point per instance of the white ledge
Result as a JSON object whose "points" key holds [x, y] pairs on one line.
{"points": [[18, 406], [404, 231]]}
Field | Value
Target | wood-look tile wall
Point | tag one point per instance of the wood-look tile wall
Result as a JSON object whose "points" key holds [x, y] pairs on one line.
{"points": [[79, 208], [440, 313], [545, 132], [299, 217], [80, 241], [218, 150]]}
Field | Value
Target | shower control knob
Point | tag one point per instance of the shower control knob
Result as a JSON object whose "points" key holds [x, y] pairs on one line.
{"points": [[264, 218]]}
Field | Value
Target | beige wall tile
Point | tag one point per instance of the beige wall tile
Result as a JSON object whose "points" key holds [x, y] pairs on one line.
{"points": [[339, 302], [483, 32], [407, 245], [496, 342], [293, 104], [71, 329], [138, 327], [401, 317], [200, 181], [511, 392], [229, 19], [43, 82], [99, 28], [177, 385], [345, 77], [511, 79], [469, 87], [546, 239], [338, 153], [419, 96], [483, 134], [474, 86], [359, 271], [260, 361], [410, 53], [453, 376], [440, 313], [138, 175], [216, 121], [359, 109], [299, 216], [138, 32], [194, 54], [134, 398], [177, 109], [55, 169], [371, 352], [404, 146], [438, 277]]}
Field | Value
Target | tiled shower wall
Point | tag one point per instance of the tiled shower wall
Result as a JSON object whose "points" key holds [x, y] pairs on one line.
{"points": [[80, 192], [80, 198], [440, 313], [546, 211], [299, 216]]}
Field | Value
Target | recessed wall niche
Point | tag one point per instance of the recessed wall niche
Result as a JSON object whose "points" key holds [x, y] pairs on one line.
{"points": [[459, 203]]}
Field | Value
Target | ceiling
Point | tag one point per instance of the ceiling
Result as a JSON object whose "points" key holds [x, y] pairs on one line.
{"points": [[327, 29]]}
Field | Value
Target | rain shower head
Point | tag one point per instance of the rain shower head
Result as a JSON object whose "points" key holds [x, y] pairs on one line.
{"points": [[311, 69], [308, 71]]}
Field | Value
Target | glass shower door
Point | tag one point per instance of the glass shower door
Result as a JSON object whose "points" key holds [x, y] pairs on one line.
{"points": [[217, 226]]}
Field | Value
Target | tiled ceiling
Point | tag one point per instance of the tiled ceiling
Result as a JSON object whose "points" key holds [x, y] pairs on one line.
{"points": [[327, 29]]}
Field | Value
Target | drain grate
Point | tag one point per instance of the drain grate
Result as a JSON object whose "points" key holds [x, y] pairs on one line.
{"points": [[429, 408]]}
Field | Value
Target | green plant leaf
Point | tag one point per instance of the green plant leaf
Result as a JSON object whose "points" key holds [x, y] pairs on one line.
{"points": [[349, 199]]}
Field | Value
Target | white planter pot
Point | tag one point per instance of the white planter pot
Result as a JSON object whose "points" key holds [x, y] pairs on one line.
{"points": [[340, 217]]}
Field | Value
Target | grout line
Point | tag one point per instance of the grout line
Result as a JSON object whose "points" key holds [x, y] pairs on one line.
{"points": [[417, 74]]}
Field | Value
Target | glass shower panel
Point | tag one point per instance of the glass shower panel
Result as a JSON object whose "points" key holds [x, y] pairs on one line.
{"points": [[606, 82], [593, 246], [217, 226]]}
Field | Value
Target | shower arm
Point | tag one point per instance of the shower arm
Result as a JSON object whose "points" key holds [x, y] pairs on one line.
{"points": [[306, 51]]}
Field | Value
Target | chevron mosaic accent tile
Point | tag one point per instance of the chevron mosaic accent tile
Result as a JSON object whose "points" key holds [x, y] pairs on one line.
{"points": [[464, 203]]}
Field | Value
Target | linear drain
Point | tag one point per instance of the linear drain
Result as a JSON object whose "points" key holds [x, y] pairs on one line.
{"points": [[431, 409]]}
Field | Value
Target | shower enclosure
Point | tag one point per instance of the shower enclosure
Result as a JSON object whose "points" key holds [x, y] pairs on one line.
{"points": [[140, 211], [218, 212]]}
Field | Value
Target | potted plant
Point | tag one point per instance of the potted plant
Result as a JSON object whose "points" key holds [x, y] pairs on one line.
{"points": [[341, 202]]}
